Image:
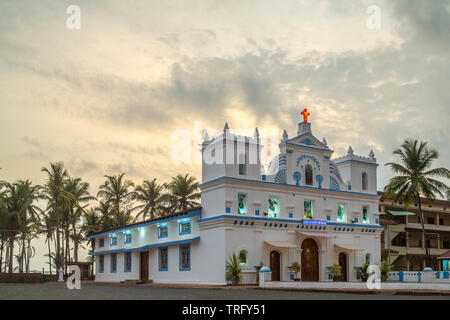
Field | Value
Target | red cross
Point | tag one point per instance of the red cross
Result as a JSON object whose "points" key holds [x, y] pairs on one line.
{"points": [[305, 114]]}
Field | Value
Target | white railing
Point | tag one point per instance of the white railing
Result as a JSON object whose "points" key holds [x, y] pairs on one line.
{"points": [[420, 276]]}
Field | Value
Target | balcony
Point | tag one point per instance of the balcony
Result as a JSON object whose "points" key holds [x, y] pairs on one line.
{"points": [[428, 227]]}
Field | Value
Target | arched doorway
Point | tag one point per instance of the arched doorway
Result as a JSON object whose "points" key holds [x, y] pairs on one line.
{"points": [[310, 260], [343, 264], [275, 265]]}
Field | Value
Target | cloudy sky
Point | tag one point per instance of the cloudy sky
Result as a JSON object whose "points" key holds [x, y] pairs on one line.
{"points": [[107, 98]]}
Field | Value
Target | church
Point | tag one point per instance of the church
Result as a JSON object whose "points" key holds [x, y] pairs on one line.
{"points": [[306, 208]]}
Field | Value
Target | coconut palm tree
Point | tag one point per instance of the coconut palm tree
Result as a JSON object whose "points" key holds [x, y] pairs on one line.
{"points": [[23, 216], [79, 198], [116, 193], [57, 197], [151, 198], [415, 179], [183, 193], [91, 224]]}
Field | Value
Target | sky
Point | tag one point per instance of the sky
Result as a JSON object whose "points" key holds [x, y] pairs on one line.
{"points": [[108, 97]]}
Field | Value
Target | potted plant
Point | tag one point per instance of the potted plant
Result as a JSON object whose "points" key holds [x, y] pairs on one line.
{"points": [[296, 267], [336, 272], [234, 269], [385, 268], [363, 272]]}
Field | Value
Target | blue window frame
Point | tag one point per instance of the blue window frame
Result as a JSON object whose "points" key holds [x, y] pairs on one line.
{"points": [[113, 240], [101, 242], [163, 261], [185, 258], [127, 262], [113, 263], [163, 231], [184, 227], [127, 238], [101, 263]]}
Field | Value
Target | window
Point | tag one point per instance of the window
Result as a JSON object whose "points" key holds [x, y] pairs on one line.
{"points": [[163, 232], [308, 210], [101, 242], [242, 165], [368, 258], [185, 228], [445, 244], [113, 266], [308, 175], [127, 262], [365, 215], [127, 238], [242, 204], [101, 263], [163, 259], [243, 257], [441, 221], [185, 258], [341, 214], [113, 240], [273, 207], [430, 220], [364, 181]]}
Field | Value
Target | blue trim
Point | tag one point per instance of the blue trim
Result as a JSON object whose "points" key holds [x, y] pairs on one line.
{"points": [[111, 264], [179, 262], [264, 271], [227, 210], [291, 215], [256, 212], [147, 246], [125, 238], [111, 244], [159, 259], [317, 141], [290, 185], [400, 276], [125, 262], [290, 221], [192, 213], [354, 160], [162, 227], [182, 223]]}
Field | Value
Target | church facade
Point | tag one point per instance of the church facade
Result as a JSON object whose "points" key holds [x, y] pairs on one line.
{"points": [[306, 208]]}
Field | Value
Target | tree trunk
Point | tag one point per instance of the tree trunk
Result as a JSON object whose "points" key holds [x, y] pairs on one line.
{"points": [[11, 254], [2, 247], [75, 243], [49, 255], [422, 222]]}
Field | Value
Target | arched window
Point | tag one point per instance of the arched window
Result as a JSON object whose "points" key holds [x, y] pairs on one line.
{"points": [[308, 175], [368, 258], [243, 257], [364, 181]]}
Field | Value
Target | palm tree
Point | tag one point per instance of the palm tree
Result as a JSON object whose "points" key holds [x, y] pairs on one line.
{"points": [[79, 196], [23, 216], [47, 227], [106, 217], [91, 224], [183, 191], [151, 196], [116, 193], [415, 179], [56, 197]]}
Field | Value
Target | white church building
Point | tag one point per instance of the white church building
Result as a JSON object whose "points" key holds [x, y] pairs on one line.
{"points": [[307, 208]]}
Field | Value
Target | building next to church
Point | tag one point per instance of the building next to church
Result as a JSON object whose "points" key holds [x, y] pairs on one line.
{"points": [[403, 243], [307, 208]]}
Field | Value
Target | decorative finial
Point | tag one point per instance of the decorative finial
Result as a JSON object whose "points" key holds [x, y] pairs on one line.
{"points": [[371, 154], [305, 114], [324, 141], [226, 128], [350, 150], [256, 133], [206, 136], [285, 135]]}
